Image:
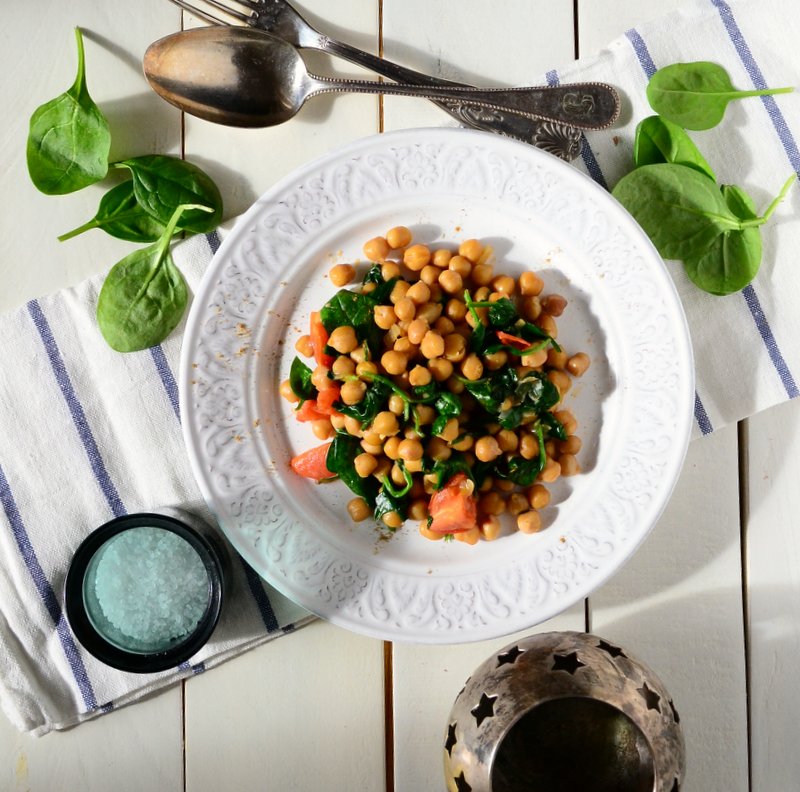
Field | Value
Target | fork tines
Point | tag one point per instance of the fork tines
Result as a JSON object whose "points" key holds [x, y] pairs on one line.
{"points": [[221, 12]]}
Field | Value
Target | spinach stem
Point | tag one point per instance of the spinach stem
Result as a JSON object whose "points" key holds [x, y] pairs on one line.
{"points": [[79, 230], [781, 195]]}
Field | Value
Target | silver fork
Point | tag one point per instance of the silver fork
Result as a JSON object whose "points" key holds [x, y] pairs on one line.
{"points": [[280, 19]]}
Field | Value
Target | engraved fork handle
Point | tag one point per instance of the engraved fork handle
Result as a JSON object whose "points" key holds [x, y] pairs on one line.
{"points": [[589, 105], [566, 139]]}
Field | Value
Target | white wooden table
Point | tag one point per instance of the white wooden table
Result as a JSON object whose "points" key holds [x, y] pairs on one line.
{"points": [[710, 600]]}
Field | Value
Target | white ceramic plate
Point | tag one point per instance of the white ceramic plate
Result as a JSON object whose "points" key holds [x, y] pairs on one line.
{"points": [[634, 406]]}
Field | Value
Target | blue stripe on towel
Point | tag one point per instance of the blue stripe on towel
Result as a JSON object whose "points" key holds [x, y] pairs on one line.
{"points": [[46, 593], [260, 596], [213, 241], [76, 410], [167, 378], [701, 416], [756, 75], [642, 53]]}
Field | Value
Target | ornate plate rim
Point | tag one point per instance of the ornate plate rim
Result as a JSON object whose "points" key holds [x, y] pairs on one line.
{"points": [[278, 555]]}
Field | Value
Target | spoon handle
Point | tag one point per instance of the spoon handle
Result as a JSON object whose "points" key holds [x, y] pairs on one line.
{"points": [[590, 105]]}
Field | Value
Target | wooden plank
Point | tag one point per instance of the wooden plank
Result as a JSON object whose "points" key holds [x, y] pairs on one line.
{"points": [[677, 605], [773, 586], [136, 747], [302, 712]]}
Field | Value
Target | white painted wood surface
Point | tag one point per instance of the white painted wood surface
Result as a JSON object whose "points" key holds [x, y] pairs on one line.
{"points": [[307, 711]]}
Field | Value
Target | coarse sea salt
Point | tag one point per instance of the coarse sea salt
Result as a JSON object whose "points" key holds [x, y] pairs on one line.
{"points": [[151, 585]]}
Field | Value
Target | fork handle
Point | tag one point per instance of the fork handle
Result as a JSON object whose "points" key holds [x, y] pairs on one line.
{"points": [[561, 139], [590, 105]]}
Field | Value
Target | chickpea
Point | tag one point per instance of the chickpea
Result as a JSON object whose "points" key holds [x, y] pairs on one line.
{"points": [[398, 237], [567, 420], [561, 380], [416, 331], [319, 378], [487, 449], [371, 437], [418, 510], [528, 446], [482, 274], [471, 367], [416, 257], [405, 346], [405, 309], [451, 282], [365, 368], [337, 422], [396, 475], [304, 346], [504, 284], [534, 360], [365, 465], [554, 304], [461, 265], [367, 288], [572, 445], [425, 414], [517, 503], [548, 324], [343, 339], [384, 466], [419, 293], [385, 424], [410, 449], [358, 510], [390, 447], [550, 472], [440, 368], [578, 364], [451, 430], [469, 537], [419, 376], [443, 326], [414, 465], [392, 519], [343, 367], [438, 449], [399, 291], [441, 258], [455, 385], [538, 496], [353, 391], [507, 440], [434, 536], [342, 274], [376, 249], [529, 522], [569, 465], [384, 316], [470, 249], [287, 392], [393, 362], [556, 359], [455, 310], [495, 360], [530, 284], [429, 275], [530, 308], [390, 270], [430, 312], [322, 429], [464, 444], [489, 526], [353, 426], [432, 345], [491, 503], [455, 347], [396, 404]]}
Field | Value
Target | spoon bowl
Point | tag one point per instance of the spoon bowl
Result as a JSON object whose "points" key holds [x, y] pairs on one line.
{"points": [[248, 78]]}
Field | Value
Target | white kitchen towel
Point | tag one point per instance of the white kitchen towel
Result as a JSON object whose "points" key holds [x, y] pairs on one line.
{"points": [[747, 355], [87, 433]]}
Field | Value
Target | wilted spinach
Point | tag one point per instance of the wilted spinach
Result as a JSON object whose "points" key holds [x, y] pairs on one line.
{"points": [[144, 295], [340, 460], [696, 95], [300, 380], [68, 139]]}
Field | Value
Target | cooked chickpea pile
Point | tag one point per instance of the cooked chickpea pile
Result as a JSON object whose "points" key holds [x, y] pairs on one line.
{"points": [[430, 390]]}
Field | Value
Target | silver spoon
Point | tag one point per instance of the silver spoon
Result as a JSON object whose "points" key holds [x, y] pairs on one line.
{"points": [[248, 78]]}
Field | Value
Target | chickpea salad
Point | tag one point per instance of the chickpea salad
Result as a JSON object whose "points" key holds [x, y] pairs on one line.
{"points": [[436, 385]]}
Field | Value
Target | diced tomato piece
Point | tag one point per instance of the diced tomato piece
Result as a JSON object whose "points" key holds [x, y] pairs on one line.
{"points": [[326, 399], [311, 463], [512, 340], [309, 412], [453, 508], [319, 339]]}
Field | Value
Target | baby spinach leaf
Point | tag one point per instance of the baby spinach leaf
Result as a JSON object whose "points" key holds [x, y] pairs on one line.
{"points": [[681, 210], [729, 264], [369, 406], [385, 502], [143, 296], [68, 139], [340, 460], [659, 140], [447, 406], [552, 426], [445, 469], [162, 183], [300, 380], [491, 392], [120, 215], [696, 95], [502, 313]]}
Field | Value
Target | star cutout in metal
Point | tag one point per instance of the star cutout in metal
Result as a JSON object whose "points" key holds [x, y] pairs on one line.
{"points": [[484, 709], [675, 716], [568, 663], [461, 783], [610, 649], [451, 740], [650, 696], [509, 657]]}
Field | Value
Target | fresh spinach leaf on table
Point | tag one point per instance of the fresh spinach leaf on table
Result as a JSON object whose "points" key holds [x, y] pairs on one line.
{"points": [[69, 138], [162, 183], [121, 216], [144, 295], [659, 140], [696, 95]]}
